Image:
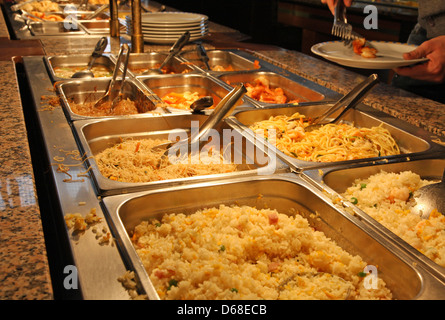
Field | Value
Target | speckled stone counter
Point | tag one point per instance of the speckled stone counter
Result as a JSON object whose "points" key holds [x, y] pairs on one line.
{"points": [[24, 271]]}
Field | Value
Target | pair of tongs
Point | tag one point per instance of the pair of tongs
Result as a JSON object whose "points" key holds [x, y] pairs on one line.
{"points": [[221, 111], [110, 94], [347, 102]]}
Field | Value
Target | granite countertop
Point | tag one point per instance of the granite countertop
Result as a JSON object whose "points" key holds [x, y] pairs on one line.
{"points": [[24, 270]]}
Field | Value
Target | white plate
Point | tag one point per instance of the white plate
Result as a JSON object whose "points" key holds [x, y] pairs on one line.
{"points": [[174, 34], [172, 19], [389, 55], [178, 30], [169, 40]]}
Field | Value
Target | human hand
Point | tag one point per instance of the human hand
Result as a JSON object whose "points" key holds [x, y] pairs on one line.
{"points": [[331, 4], [432, 70]]}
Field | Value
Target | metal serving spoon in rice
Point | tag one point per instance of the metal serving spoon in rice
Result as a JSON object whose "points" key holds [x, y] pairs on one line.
{"points": [[429, 198]]}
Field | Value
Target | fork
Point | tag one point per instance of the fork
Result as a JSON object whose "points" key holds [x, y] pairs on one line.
{"points": [[341, 28]]}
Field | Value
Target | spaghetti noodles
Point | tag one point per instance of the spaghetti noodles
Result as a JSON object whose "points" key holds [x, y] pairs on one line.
{"points": [[136, 161], [332, 142]]}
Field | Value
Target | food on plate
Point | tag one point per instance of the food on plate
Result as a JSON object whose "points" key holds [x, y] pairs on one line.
{"points": [[360, 48], [67, 72], [123, 107], [388, 198], [135, 160], [182, 100], [241, 252], [331, 142], [261, 90]]}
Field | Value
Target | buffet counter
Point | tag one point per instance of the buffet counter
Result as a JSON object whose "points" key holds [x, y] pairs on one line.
{"points": [[25, 271]]}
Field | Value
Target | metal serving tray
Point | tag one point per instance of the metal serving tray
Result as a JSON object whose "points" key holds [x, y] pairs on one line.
{"points": [[99, 27], [292, 89], [286, 193], [139, 62], [411, 140], [92, 90], [201, 83], [95, 136], [336, 180], [222, 58], [77, 60], [55, 28]]}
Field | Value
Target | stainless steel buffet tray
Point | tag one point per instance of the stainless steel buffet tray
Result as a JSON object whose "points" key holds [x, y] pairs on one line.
{"points": [[79, 60], [140, 62], [286, 193], [293, 90], [225, 59], [337, 179], [96, 135], [91, 90], [411, 140], [248, 68], [203, 84]]}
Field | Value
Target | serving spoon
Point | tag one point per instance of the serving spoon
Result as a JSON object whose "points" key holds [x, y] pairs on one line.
{"points": [[430, 197], [348, 101], [201, 104], [97, 52], [174, 50]]}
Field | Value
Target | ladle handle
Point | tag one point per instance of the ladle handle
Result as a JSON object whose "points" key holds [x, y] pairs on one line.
{"points": [[351, 99], [221, 111], [100, 47], [98, 51]]}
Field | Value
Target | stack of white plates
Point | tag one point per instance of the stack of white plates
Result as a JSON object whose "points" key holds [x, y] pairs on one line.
{"points": [[167, 27]]}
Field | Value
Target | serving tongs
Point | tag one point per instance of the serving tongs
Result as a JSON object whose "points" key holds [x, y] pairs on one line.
{"points": [[174, 50], [97, 12], [110, 94], [348, 101], [198, 139], [202, 54]]}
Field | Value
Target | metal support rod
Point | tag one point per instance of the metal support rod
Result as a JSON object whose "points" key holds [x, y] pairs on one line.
{"points": [[114, 21], [137, 38]]}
